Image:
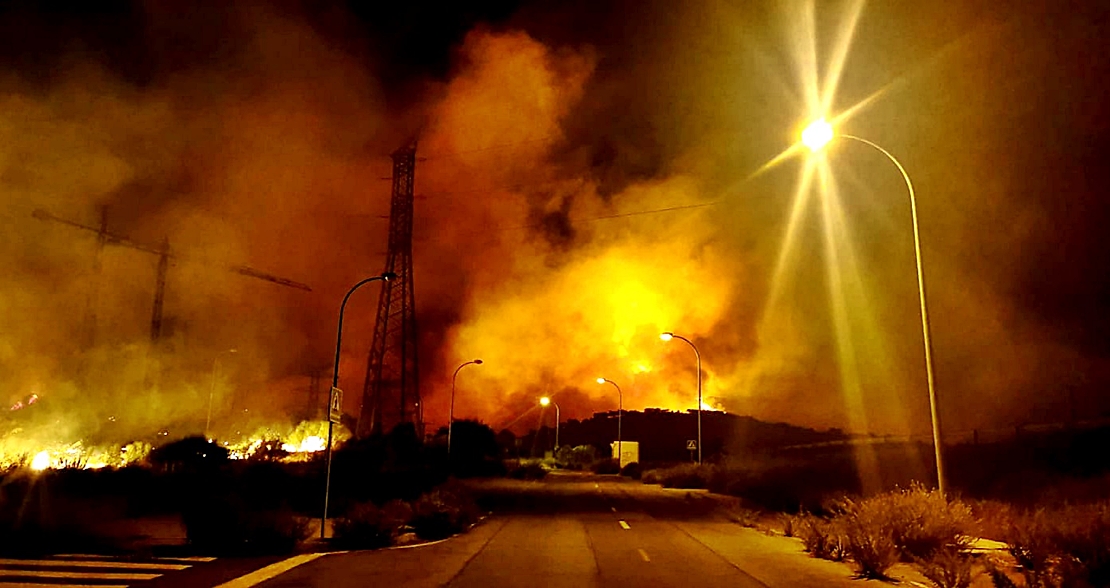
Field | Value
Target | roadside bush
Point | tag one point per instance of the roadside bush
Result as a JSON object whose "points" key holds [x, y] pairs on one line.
{"points": [[576, 458], [606, 467], [821, 537], [686, 476], [442, 513], [230, 524], [949, 567], [527, 471], [632, 470], [367, 526], [782, 484], [1063, 547], [913, 525], [188, 454], [36, 516], [650, 477], [924, 522], [869, 536]]}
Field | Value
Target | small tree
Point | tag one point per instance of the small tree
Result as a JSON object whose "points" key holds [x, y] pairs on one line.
{"points": [[474, 449]]}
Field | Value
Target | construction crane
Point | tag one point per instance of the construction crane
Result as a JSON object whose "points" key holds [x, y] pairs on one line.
{"points": [[162, 250]]}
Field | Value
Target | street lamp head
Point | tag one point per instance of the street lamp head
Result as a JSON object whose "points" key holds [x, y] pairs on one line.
{"points": [[601, 380], [387, 276], [477, 362], [666, 336], [817, 135], [545, 401]]}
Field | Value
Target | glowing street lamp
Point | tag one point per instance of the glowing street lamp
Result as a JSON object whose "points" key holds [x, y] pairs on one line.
{"points": [[815, 136], [620, 412], [451, 417], [668, 337], [544, 402], [385, 277]]}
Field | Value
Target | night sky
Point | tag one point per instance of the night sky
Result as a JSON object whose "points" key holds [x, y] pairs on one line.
{"points": [[554, 138]]}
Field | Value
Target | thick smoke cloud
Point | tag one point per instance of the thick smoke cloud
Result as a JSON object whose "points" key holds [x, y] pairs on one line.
{"points": [[545, 141]]}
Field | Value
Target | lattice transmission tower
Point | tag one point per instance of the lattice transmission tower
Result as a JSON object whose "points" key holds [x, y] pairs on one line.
{"points": [[391, 393]]}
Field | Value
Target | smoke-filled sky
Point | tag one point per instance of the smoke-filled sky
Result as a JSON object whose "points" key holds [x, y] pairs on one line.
{"points": [[589, 174]]}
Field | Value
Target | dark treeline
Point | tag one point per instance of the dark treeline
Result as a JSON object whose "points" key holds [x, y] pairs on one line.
{"points": [[663, 435]]}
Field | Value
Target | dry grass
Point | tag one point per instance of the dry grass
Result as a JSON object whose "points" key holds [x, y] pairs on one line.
{"points": [[912, 525]]}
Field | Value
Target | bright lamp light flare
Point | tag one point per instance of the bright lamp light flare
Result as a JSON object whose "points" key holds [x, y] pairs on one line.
{"points": [[817, 135], [545, 401]]}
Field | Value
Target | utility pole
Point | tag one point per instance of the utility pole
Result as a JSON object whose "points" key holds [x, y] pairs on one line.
{"points": [[92, 300], [165, 255], [312, 410], [160, 290], [391, 392]]}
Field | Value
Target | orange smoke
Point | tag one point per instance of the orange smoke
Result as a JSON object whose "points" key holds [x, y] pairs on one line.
{"points": [[549, 298]]}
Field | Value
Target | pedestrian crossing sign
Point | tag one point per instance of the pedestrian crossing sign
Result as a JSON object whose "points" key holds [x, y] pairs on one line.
{"points": [[335, 405], [691, 445]]}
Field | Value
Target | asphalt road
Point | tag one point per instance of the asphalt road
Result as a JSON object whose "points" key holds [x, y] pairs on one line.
{"points": [[580, 531]]}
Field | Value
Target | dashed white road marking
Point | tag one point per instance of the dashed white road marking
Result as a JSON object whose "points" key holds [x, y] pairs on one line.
{"points": [[613, 508], [123, 565], [261, 575], [77, 575], [624, 525], [644, 555]]}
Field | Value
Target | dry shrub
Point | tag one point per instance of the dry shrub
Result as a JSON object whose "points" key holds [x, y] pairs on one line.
{"points": [[686, 476], [787, 525], [869, 535], [914, 524], [821, 537], [925, 522], [1066, 547], [950, 567], [527, 471], [364, 525], [443, 512]]}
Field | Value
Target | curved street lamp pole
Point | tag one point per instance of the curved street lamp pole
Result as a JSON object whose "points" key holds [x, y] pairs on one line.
{"points": [[816, 136], [544, 402], [335, 384], [620, 412], [667, 337], [451, 412]]}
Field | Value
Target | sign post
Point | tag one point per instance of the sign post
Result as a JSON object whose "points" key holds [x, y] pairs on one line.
{"points": [[335, 415], [691, 446]]}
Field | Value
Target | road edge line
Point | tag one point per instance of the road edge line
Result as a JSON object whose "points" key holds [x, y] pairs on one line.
{"points": [[466, 563], [271, 571]]}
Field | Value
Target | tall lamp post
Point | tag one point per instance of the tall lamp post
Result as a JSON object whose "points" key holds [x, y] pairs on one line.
{"points": [[335, 384], [816, 136], [451, 412], [620, 412], [668, 337], [544, 402]]}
